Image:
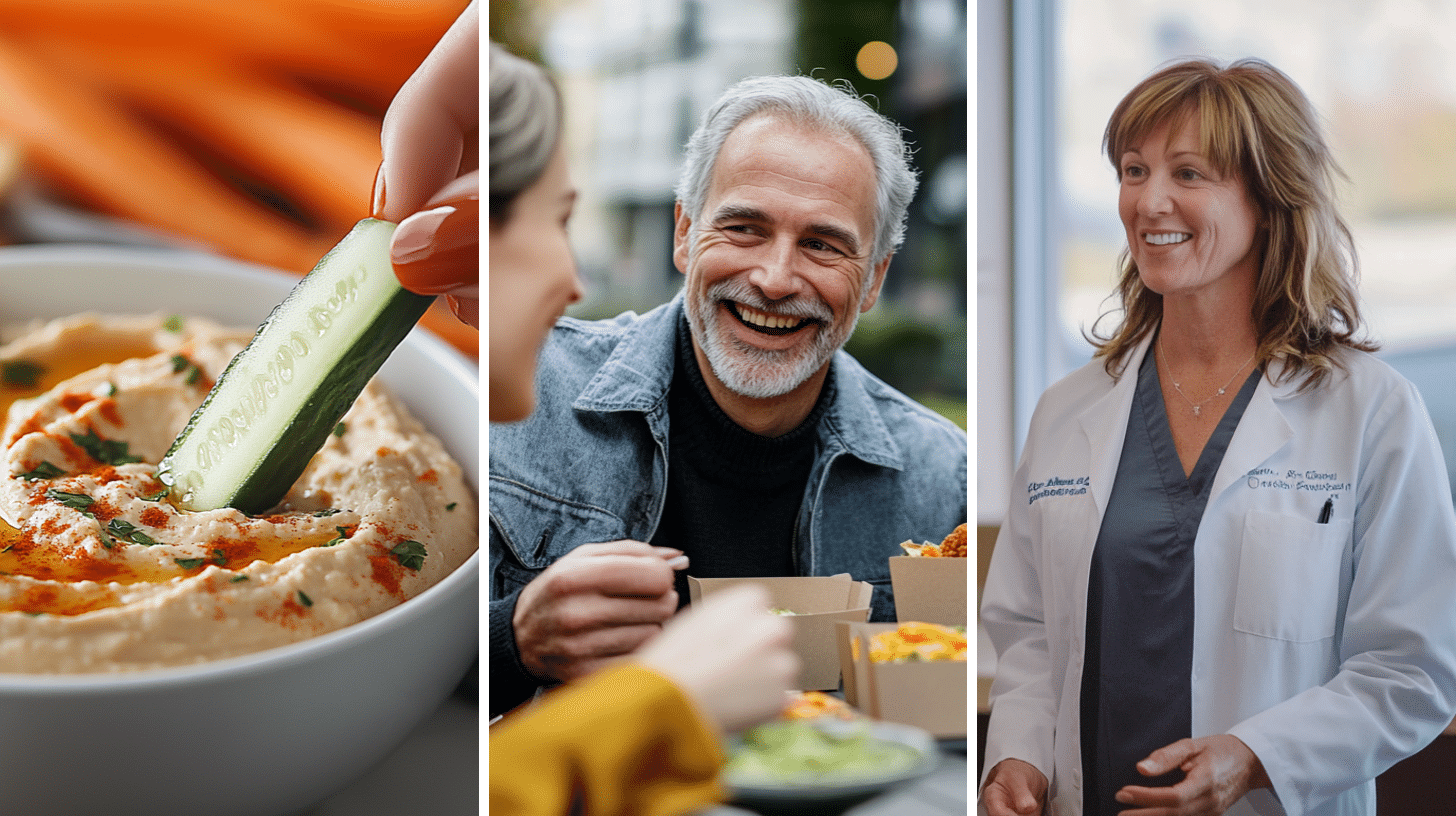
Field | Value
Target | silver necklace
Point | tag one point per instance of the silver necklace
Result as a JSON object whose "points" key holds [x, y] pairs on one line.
{"points": [[1198, 406]]}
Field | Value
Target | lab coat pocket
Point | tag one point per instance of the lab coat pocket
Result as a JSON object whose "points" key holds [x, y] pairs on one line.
{"points": [[1289, 576]]}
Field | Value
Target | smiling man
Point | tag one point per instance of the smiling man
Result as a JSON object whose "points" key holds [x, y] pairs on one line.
{"points": [[725, 433]]}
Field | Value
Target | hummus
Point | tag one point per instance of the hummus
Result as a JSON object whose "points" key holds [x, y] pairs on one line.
{"points": [[99, 573]]}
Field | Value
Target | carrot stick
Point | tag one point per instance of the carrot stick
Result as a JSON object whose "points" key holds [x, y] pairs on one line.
{"points": [[108, 161], [274, 35], [319, 155]]}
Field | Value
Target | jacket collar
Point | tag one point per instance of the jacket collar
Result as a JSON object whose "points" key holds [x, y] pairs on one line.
{"points": [[1262, 430], [638, 374]]}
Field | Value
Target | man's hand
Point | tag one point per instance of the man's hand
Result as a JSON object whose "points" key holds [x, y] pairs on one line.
{"points": [[593, 605], [1219, 771], [1014, 788]]}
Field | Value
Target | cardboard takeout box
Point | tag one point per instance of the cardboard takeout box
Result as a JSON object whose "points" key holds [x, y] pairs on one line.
{"points": [[929, 589], [819, 603], [929, 694]]}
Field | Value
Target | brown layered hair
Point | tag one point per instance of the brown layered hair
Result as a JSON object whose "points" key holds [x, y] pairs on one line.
{"points": [[1255, 123]]}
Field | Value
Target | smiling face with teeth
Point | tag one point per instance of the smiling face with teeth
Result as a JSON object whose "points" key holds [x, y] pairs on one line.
{"points": [[777, 262], [1192, 229]]}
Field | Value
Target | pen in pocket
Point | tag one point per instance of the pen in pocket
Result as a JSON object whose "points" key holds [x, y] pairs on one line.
{"points": [[1324, 516]]}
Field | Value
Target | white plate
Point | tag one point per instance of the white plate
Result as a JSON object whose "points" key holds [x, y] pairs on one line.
{"points": [[836, 797]]}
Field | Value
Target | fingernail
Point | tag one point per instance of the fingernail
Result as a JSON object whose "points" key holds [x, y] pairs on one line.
{"points": [[437, 251], [466, 309], [376, 209], [680, 562]]}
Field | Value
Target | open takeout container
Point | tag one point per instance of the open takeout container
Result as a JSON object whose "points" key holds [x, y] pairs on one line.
{"points": [[929, 589], [928, 694], [819, 602]]}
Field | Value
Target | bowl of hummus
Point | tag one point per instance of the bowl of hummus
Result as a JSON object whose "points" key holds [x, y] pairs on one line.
{"points": [[159, 661]]}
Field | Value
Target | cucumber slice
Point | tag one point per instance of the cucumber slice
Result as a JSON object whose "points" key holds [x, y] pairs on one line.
{"points": [[280, 398]]}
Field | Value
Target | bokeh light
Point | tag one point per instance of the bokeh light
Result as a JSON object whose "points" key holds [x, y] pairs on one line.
{"points": [[876, 60]]}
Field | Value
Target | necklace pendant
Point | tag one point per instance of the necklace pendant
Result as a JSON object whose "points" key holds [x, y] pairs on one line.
{"points": [[1196, 409]]}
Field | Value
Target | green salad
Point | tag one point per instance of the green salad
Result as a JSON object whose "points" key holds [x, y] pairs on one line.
{"points": [[796, 752]]}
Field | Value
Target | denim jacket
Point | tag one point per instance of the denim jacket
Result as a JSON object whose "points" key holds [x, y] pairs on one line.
{"points": [[590, 465]]}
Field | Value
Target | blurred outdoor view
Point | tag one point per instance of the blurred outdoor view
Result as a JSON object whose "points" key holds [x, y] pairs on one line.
{"points": [[637, 76], [1382, 74]]}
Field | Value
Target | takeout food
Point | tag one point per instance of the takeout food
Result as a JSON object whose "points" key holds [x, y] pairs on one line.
{"points": [[911, 673], [952, 546], [99, 574], [918, 641], [808, 705]]}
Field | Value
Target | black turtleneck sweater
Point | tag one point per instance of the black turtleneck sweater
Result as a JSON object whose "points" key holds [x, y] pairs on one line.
{"points": [[732, 496]]}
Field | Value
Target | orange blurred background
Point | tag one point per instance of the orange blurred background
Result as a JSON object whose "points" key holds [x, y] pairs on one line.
{"points": [[247, 129]]}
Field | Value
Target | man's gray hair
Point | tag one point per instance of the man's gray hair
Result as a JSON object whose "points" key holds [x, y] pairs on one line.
{"points": [[815, 104], [525, 126]]}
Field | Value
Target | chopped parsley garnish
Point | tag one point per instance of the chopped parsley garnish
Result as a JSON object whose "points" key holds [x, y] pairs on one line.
{"points": [[340, 429], [127, 531], [238, 579], [44, 470], [158, 496], [20, 373], [343, 534], [105, 451], [304, 599], [111, 389], [451, 505], [82, 502], [410, 554], [218, 557], [326, 513], [180, 363], [173, 323], [75, 501]]}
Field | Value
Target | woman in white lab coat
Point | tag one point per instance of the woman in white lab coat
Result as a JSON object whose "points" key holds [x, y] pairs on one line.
{"points": [[1224, 583]]}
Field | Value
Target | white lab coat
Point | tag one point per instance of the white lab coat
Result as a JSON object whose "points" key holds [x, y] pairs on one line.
{"points": [[1329, 649]]}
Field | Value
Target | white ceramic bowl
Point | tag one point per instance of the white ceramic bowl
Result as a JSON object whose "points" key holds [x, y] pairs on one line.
{"points": [[263, 734]]}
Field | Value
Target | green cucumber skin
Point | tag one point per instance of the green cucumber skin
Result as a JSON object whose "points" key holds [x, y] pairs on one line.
{"points": [[309, 427], [282, 466]]}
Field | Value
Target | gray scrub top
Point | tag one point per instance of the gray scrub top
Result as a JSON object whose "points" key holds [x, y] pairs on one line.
{"points": [[1136, 678]]}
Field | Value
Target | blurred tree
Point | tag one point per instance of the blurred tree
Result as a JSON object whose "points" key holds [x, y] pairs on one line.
{"points": [[513, 25]]}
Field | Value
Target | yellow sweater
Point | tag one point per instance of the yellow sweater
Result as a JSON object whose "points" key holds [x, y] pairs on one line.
{"points": [[624, 741]]}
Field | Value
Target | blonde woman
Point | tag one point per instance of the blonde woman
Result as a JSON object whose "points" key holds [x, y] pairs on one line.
{"points": [[1224, 583]]}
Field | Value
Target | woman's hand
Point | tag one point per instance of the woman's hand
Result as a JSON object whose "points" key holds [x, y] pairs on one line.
{"points": [[1014, 788], [730, 654], [1219, 770], [429, 181]]}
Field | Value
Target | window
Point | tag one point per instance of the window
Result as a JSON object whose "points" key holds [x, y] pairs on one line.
{"points": [[1381, 74]]}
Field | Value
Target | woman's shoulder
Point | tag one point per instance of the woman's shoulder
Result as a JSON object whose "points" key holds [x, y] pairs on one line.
{"points": [[1360, 388], [1362, 373], [1081, 386]]}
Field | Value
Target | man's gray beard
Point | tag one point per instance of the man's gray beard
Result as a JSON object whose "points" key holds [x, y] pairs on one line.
{"points": [[754, 372]]}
